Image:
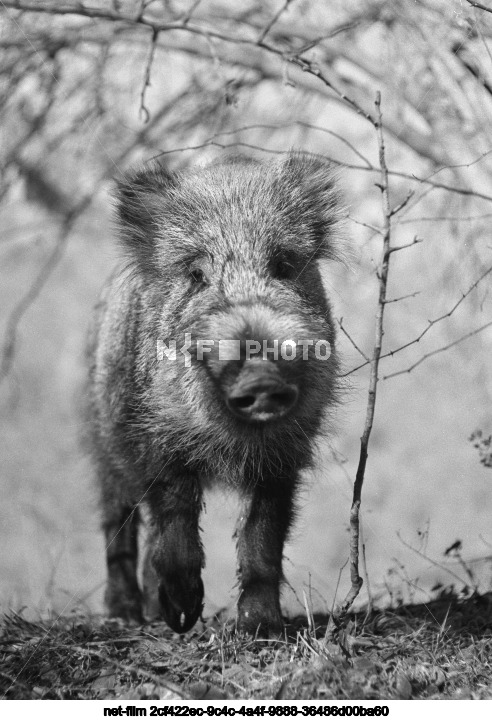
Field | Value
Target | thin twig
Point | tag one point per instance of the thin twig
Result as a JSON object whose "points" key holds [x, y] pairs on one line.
{"points": [[146, 83], [402, 297], [438, 350], [23, 305], [448, 314], [469, 192], [430, 560], [479, 30], [187, 17], [302, 124], [450, 218], [356, 580], [375, 229], [403, 203], [272, 22], [327, 36], [295, 58], [340, 323], [415, 241], [479, 5], [429, 325]]}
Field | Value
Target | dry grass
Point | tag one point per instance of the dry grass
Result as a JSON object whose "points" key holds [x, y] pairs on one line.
{"points": [[440, 650]]}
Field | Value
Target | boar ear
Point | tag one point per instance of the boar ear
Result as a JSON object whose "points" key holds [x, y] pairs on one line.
{"points": [[310, 184], [140, 198]]}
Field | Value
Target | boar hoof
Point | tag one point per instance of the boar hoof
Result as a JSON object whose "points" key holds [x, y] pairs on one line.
{"points": [[259, 618], [181, 610]]}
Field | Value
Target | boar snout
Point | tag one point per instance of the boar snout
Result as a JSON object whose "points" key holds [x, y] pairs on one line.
{"points": [[260, 394]]}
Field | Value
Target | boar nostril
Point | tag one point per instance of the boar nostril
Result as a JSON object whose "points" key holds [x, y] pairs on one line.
{"points": [[285, 398], [243, 401], [260, 402]]}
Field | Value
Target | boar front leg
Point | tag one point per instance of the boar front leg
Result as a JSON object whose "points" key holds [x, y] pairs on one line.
{"points": [[123, 598], [261, 535], [177, 552]]}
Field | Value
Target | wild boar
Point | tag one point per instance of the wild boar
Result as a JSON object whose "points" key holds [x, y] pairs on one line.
{"points": [[212, 361]]}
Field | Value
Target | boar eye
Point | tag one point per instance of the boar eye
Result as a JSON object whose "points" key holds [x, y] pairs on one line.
{"points": [[198, 276], [283, 269]]}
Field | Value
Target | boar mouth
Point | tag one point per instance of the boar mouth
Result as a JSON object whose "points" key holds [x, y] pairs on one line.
{"points": [[261, 399]]}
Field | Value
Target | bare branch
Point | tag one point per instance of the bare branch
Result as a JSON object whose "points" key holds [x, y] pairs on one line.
{"points": [[430, 560], [441, 317], [451, 218], [348, 166], [402, 297], [479, 5], [457, 166], [376, 230], [356, 580], [479, 30], [296, 58], [405, 202], [427, 328], [340, 29], [272, 22], [302, 124], [143, 109], [331, 78], [438, 350], [186, 19], [340, 323], [443, 186], [23, 305], [415, 241], [416, 200]]}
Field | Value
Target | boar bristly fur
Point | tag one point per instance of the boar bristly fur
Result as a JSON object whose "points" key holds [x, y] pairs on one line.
{"points": [[229, 251]]}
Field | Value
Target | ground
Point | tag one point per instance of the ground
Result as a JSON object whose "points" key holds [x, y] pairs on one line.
{"points": [[439, 650]]}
